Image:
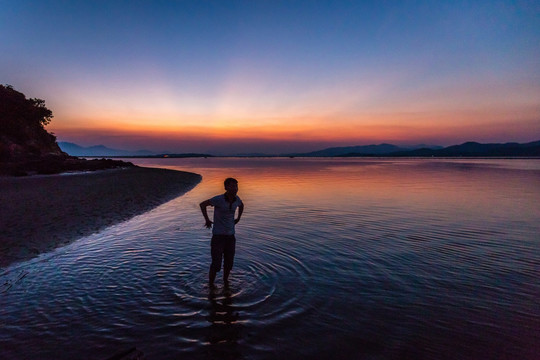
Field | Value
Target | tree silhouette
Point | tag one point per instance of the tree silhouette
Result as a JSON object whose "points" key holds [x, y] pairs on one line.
{"points": [[27, 148], [22, 119]]}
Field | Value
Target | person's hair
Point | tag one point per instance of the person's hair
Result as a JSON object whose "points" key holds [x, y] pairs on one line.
{"points": [[230, 181]]}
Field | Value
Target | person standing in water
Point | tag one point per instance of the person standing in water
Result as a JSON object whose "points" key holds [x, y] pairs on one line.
{"points": [[223, 242]]}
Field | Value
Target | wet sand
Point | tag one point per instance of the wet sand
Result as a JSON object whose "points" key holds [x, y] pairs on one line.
{"points": [[40, 213]]}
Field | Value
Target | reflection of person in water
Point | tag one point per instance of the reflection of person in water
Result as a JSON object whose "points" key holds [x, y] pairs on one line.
{"points": [[225, 330], [223, 240], [222, 312]]}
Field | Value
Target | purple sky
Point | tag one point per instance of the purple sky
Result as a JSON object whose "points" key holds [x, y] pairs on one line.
{"points": [[275, 76]]}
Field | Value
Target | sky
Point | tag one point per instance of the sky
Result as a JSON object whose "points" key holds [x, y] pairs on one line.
{"points": [[229, 77]]}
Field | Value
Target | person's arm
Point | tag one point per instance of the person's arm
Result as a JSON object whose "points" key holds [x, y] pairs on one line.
{"points": [[203, 206], [240, 211]]}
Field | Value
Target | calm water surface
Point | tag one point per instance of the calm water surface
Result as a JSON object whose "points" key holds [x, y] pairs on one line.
{"points": [[336, 258]]}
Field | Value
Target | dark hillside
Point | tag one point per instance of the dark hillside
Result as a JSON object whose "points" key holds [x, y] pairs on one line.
{"points": [[26, 147], [22, 132]]}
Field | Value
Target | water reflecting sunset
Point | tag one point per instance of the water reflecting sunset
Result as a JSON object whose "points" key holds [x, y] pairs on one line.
{"points": [[336, 258]]}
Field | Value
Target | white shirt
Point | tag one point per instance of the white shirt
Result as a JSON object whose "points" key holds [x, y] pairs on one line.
{"points": [[224, 214]]}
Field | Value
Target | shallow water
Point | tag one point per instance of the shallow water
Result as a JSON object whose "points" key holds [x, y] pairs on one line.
{"points": [[336, 258]]}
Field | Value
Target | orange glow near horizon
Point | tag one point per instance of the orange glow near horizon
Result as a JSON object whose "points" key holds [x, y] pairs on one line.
{"points": [[268, 78], [376, 127], [247, 108]]}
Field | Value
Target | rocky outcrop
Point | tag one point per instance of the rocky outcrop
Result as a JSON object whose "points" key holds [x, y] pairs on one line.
{"points": [[27, 148]]}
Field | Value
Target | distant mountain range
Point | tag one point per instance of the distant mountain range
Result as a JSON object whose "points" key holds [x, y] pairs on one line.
{"points": [[99, 150], [103, 151], [364, 150], [470, 149]]}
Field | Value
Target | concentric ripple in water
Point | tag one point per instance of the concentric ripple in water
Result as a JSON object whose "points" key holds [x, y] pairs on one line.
{"points": [[335, 258]]}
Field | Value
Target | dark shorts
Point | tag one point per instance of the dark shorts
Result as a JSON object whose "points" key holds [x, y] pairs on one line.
{"points": [[223, 247]]}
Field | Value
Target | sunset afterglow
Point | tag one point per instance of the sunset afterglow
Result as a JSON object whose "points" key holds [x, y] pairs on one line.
{"points": [[276, 77]]}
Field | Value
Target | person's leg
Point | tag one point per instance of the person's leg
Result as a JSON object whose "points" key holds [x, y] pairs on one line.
{"points": [[228, 257], [226, 273], [211, 276], [217, 255]]}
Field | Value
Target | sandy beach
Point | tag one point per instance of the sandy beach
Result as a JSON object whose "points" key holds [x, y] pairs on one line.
{"points": [[40, 213]]}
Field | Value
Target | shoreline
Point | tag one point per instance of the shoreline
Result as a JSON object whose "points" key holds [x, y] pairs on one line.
{"points": [[41, 213]]}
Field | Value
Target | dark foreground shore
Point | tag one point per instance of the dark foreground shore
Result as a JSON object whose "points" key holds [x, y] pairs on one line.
{"points": [[40, 213]]}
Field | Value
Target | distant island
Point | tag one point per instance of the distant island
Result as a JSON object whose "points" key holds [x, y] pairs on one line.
{"points": [[363, 150], [468, 149], [471, 149], [103, 151]]}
